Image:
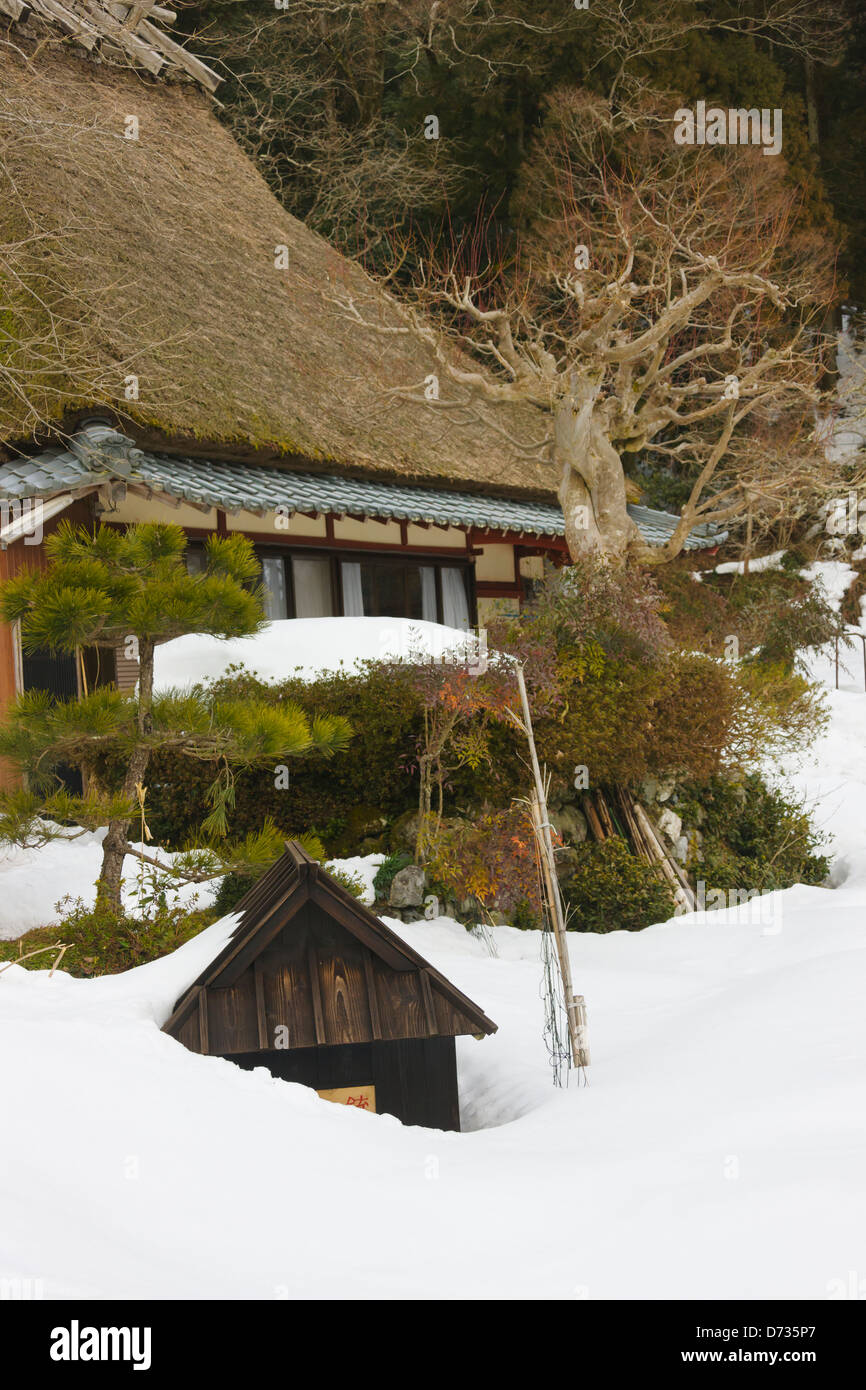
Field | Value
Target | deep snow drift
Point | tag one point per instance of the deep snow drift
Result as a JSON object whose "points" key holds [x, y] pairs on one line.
{"points": [[718, 1151]]}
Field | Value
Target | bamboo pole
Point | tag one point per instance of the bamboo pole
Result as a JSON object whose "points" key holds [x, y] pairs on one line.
{"points": [[670, 868], [604, 814], [575, 1006]]}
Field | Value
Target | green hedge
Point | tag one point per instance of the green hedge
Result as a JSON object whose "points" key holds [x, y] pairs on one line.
{"points": [[343, 799], [613, 890], [626, 720], [753, 835]]}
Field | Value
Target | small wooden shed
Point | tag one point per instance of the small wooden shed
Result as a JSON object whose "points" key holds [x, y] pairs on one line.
{"points": [[317, 989]]}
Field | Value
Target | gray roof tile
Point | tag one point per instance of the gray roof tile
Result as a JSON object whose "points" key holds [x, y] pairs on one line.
{"points": [[99, 452]]}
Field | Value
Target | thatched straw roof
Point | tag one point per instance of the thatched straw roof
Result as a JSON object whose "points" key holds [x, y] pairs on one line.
{"points": [[149, 264]]}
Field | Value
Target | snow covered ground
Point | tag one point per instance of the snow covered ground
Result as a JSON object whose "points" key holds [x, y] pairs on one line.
{"points": [[718, 1151], [33, 881]]}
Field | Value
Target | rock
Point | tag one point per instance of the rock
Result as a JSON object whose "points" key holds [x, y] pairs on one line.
{"points": [[649, 789], [571, 824], [567, 861], [670, 824], [407, 887], [404, 831], [654, 790], [688, 847], [411, 914]]}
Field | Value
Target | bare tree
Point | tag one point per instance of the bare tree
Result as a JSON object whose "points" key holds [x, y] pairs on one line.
{"points": [[661, 298], [629, 35]]}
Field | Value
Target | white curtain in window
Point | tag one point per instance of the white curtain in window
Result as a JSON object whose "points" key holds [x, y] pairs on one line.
{"points": [[274, 585], [455, 606], [353, 596], [428, 594], [311, 578]]}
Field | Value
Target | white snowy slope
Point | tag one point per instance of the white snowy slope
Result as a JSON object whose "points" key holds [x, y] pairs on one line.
{"points": [[34, 881], [719, 1149]]}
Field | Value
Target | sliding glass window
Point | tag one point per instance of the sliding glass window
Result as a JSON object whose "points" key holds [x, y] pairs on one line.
{"points": [[319, 585]]}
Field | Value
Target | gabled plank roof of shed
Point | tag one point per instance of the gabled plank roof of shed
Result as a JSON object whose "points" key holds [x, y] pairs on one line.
{"points": [[295, 880]]}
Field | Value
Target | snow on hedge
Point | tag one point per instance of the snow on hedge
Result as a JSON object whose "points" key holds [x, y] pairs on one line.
{"points": [[300, 646]]}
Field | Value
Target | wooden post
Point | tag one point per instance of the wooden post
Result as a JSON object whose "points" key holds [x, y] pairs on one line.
{"points": [[748, 555], [575, 1006]]}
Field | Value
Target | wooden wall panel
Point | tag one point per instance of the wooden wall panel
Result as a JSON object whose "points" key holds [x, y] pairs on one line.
{"points": [[232, 1017], [323, 1068], [400, 1003], [343, 988], [415, 1080], [188, 1033], [449, 1018], [288, 997]]}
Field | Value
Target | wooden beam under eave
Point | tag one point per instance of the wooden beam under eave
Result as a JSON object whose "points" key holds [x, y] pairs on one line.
{"points": [[148, 494]]}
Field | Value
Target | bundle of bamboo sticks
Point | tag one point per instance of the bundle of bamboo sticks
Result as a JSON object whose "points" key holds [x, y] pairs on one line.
{"points": [[643, 837]]}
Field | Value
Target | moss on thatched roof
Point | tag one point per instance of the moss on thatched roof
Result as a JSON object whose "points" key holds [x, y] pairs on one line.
{"points": [[153, 259]]}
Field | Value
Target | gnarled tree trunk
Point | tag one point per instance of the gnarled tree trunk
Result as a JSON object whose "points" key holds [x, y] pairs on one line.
{"points": [[592, 490]]}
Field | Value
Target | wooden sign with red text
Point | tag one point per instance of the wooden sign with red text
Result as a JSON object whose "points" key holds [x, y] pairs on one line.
{"points": [[363, 1097]]}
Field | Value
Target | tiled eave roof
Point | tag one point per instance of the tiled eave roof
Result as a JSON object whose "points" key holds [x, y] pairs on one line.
{"points": [[99, 454]]}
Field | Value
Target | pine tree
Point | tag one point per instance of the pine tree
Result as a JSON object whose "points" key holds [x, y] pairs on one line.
{"points": [[132, 589]]}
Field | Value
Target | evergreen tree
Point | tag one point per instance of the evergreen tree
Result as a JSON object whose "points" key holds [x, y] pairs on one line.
{"points": [[133, 589]]}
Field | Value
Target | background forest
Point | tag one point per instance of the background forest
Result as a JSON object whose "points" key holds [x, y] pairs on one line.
{"points": [[331, 97]]}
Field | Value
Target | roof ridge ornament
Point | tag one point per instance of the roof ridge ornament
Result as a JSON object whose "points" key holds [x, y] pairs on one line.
{"points": [[100, 446]]}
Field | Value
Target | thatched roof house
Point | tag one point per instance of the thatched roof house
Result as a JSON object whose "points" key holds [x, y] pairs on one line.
{"points": [[174, 345]]}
